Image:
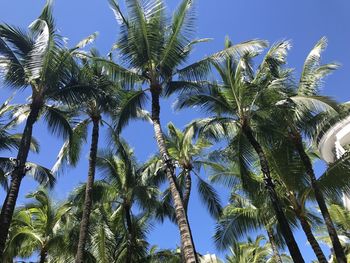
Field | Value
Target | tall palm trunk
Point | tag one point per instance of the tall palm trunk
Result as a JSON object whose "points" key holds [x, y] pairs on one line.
{"points": [[185, 199], [187, 191], [276, 254], [180, 213], [84, 225], [270, 187], [130, 232], [307, 229], [18, 173], [338, 249]]}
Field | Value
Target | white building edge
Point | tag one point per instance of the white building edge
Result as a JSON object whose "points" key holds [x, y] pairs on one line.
{"points": [[334, 143]]}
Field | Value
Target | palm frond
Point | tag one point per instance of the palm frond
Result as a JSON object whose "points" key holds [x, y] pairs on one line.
{"points": [[209, 197], [130, 108], [199, 70]]}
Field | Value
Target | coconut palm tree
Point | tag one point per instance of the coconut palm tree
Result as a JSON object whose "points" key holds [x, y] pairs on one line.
{"points": [[9, 141], [239, 218], [248, 210], [188, 153], [37, 227], [36, 59], [340, 216], [130, 188], [114, 235], [252, 251], [115, 228], [287, 167], [238, 105], [298, 109], [153, 50], [91, 74]]}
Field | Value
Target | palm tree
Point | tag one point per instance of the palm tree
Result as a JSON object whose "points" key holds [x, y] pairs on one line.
{"points": [[153, 49], [188, 154], [252, 251], [239, 104], [164, 255], [117, 234], [131, 187], [36, 59], [300, 105], [241, 216], [340, 216], [91, 74], [9, 141], [37, 227], [287, 167]]}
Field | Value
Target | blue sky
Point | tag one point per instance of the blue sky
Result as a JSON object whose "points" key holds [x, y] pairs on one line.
{"points": [[304, 22]]}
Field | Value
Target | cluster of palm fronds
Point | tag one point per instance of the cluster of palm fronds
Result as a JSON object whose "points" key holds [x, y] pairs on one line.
{"points": [[267, 125]]}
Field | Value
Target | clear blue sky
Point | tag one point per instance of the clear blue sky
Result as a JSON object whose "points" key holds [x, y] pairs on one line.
{"points": [[304, 22]]}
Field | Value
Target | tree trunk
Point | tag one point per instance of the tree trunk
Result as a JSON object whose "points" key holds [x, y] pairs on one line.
{"points": [[18, 174], [338, 249], [130, 233], [185, 199], [310, 236], [276, 254], [180, 213], [84, 225], [270, 187], [187, 191], [43, 255]]}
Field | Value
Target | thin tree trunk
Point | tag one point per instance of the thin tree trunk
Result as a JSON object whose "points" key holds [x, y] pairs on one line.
{"points": [[307, 229], [276, 254], [180, 213], [130, 233], [338, 249], [43, 255], [186, 198], [17, 174], [310, 237], [84, 225], [187, 191], [270, 187]]}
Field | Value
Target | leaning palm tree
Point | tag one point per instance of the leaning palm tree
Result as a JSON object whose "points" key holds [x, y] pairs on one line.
{"points": [[9, 141], [301, 107], [36, 59], [287, 167], [340, 215], [153, 49], [37, 227], [239, 105], [91, 74]]}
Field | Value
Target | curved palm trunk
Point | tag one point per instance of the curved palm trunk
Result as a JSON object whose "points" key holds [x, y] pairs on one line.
{"points": [[276, 254], [338, 249], [270, 187], [17, 174], [180, 213], [84, 225]]}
